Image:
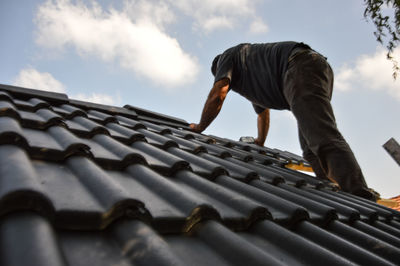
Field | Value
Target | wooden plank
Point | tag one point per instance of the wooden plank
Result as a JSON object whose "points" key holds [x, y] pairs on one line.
{"points": [[393, 148]]}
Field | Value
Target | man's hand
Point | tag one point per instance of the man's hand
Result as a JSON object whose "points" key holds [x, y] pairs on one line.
{"points": [[196, 128]]}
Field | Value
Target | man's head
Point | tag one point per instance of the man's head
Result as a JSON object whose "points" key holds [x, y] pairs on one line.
{"points": [[214, 64]]}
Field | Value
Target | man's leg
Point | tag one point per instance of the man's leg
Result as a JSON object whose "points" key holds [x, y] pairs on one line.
{"points": [[308, 89], [312, 159]]}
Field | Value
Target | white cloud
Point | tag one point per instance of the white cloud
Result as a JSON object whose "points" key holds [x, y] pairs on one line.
{"points": [[95, 98], [134, 37], [344, 78], [217, 22], [156, 12], [31, 78], [211, 15], [258, 26], [371, 72]]}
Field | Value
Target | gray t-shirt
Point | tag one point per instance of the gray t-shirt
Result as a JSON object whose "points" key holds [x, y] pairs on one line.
{"points": [[256, 71]]}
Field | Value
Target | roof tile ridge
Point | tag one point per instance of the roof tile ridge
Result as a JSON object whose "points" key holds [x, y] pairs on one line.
{"points": [[26, 92], [11, 133], [21, 188], [145, 112], [112, 196]]}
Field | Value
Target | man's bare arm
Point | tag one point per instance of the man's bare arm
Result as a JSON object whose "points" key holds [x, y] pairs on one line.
{"points": [[263, 127], [213, 105]]}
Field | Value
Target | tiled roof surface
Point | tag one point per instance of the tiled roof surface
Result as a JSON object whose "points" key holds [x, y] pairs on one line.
{"points": [[88, 184]]}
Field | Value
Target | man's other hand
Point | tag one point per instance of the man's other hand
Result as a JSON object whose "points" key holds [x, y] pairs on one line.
{"points": [[196, 128]]}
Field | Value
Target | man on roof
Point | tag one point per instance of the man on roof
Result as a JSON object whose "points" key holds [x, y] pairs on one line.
{"points": [[288, 76]]}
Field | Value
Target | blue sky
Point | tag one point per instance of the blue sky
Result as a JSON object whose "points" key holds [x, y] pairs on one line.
{"points": [[157, 54]]}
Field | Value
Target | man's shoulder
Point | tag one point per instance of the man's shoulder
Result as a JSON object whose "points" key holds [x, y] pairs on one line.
{"points": [[266, 45], [236, 48], [275, 44]]}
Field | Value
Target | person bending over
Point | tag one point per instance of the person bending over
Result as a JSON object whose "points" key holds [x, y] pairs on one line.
{"points": [[288, 76]]}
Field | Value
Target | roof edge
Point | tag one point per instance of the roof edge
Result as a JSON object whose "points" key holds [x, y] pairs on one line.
{"points": [[152, 114], [27, 92], [103, 107], [128, 110]]}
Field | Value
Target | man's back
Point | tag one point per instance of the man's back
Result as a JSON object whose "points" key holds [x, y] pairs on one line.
{"points": [[256, 71]]}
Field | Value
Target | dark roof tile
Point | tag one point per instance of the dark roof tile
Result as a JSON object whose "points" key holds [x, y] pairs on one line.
{"points": [[70, 197], [71, 111], [234, 170], [78, 129], [8, 109], [284, 211], [263, 172], [339, 246], [224, 200], [234, 248], [20, 187], [156, 121], [49, 116], [92, 127], [156, 128], [42, 141], [5, 96], [124, 134], [41, 119], [82, 248], [291, 247], [162, 117], [116, 200], [38, 103], [61, 111], [187, 145], [129, 122], [192, 207], [24, 105], [291, 177], [213, 149], [122, 137], [100, 117], [295, 175], [157, 139], [158, 159], [199, 165], [11, 132], [162, 214], [142, 245], [377, 233], [40, 246], [366, 241], [203, 138], [103, 108], [240, 155], [27, 94], [395, 223], [319, 213], [344, 212], [108, 185], [384, 213], [228, 142], [365, 212], [388, 229], [183, 133], [123, 153]]}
